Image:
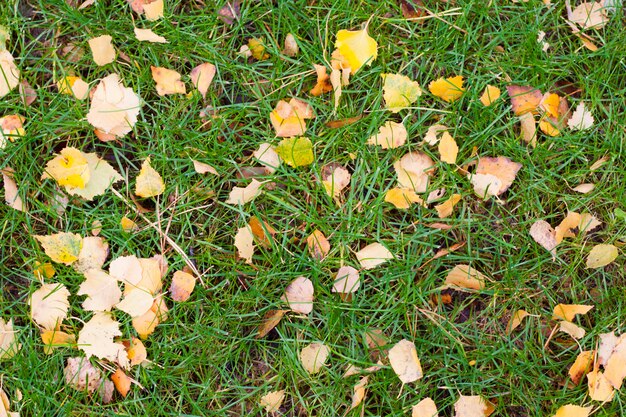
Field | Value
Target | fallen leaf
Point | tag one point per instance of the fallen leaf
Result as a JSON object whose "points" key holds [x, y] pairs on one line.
{"points": [[101, 290], [49, 305], [545, 235], [402, 198], [399, 91], [425, 408], [202, 77], [149, 182], [490, 95], [262, 231], [584, 188], [101, 177], [81, 375], [581, 366], [322, 85], [569, 311], [128, 225], [357, 47], [239, 195], [336, 181], [296, 152], [581, 118], [608, 343], [121, 382], [182, 286], [10, 74], [570, 410], [167, 81], [413, 171], [136, 301], [11, 128], [11, 194], [516, 320], [137, 353], [8, 340], [43, 271], [615, 368], [524, 99], [270, 320], [114, 108], [472, 406], [404, 361], [147, 35], [600, 389], [73, 86], [347, 280], [390, 135], [373, 255], [464, 276], [413, 10], [62, 247], [299, 295], [575, 223], [230, 12], [102, 50], [92, 255], [528, 128], [257, 49], [96, 339], [494, 175], [27, 92], [589, 15], [291, 46], [601, 255], [53, 339], [272, 401], [313, 357], [572, 329], [267, 156], [126, 269], [359, 391], [153, 10], [289, 118], [318, 245], [432, 135], [202, 168], [448, 89], [445, 209], [244, 242], [69, 168], [448, 148]]}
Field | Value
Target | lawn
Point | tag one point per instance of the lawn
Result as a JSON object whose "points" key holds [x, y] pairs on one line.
{"points": [[206, 358]]}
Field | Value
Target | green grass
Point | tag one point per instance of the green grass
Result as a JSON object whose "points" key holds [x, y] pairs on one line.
{"points": [[206, 358]]}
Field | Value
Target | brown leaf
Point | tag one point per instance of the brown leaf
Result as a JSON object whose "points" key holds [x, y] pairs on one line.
{"points": [[413, 9], [516, 320], [545, 235], [270, 320], [524, 99], [336, 124], [464, 276], [262, 231], [230, 12]]}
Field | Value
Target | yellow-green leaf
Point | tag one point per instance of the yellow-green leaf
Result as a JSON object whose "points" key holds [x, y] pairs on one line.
{"points": [[399, 91], [62, 247], [601, 255], [296, 152]]}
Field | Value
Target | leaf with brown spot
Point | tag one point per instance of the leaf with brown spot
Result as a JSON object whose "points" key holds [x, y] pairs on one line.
{"points": [[581, 366], [182, 286]]}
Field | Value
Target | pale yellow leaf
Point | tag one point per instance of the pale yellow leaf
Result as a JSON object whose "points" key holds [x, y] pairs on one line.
{"points": [[147, 35], [373, 255], [464, 276], [291, 46], [584, 188], [53, 339], [8, 340], [425, 408], [154, 10], [601, 255], [267, 156], [589, 15], [572, 329], [202, 77], [318, 245], [289, 118], [182, 286], [202, 168], [167, 81], [240, 195], [445, 209], [49, 305], [101, 289], [528, 128], [337, 181], [126, 269], [413, 171], [359, 391], [10, 74], [114, 108], [545, 235], [102, 50], [390, 135], [299, 295], [11, 194], [136, 302], [571, 410], [272, 401], [93, 254], [70, 168], [472, 406], [432, 134], [96, 339], [581, 118], [244, 242], [516, 320], [448, 148], [399, 91], [569, 311], [404, 361], [149, 182], [313, 357], [600, 389]]}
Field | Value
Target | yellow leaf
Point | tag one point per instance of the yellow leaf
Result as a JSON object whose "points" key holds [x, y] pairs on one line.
{"points": [[43, 270], [404, 361], [114, 108], [272, 401], [571, 410], [464, 276], [359, 392], [69, 168], [73, 86], [55, 338], [8, 340], [425, 408], [494, 175], [448, 148], [472, 406], [257, 48], [289, 118], [414, 170], [10, 74], [373, 255], [183, 284], [11, 194], [572, 329], [149, 182], [244, 242], [147, 35], [337, 181], [445, 209], [102, 50], [299, 295], [101, 290], [569, 311], [62, 247], [270, 320], [154, 10], [516, 320], [313, 357], [601, 255], [600, 389], [448, 89], [137, 353], [296, 151], [357, 47], [101, 176], [96, 339], [490, 95], [167, 81], [390, 135], [399, 91], [128, 225], [402, 198], [581, 366]]}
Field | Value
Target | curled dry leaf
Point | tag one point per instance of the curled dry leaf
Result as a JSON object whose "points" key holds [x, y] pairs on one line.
{"points": [[257, 49], [243, 195], [601, 255], [572, 329], [182, 286], [11, 194], [490, 95], [121, 381], [404, 361], [494, 175], [472, 406], [313, 357], [270, 320], [448, 89], [545, 235], [299, 295], [202, 77], [289, 118], [335, 182], [244, 242], [425, 408], [8, 340], [272, 401], [571, 410], [102, 50], [575, 223], [516, 320], [347, 280], [402, 198], [149, 182], [445, 209], [581, 366], [357, 47], [600, 389], [267, 156], [296, 152], [413, 171], [147, 35], [318, 245], [322, 85], [101, 290], [399, 91], [11, 128], [569, 311], [373, 255], [114, 108], [10, 74], [96, 339], [291, 46], [464, 276], [390, 135], [167, 81], [359, 391]]}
